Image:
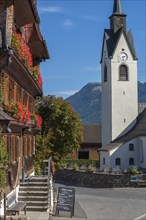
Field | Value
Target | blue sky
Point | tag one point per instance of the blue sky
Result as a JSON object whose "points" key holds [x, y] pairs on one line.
{"points": [[73, 30]]}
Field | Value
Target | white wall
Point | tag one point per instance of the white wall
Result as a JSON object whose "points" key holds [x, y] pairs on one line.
{"points": [[105, 155], [106, 100], [124, 93], [142, 144], [124, 154], [119, 98]]}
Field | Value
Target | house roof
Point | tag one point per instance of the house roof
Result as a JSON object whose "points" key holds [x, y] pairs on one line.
{"points": [[139, 129], [92, 134]]}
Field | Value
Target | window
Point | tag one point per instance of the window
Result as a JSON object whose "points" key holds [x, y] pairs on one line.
{"points": [[83, 155], [131, 161], [105, 73], [118, 161], [131, 147], [123, 73], [103, 160]]}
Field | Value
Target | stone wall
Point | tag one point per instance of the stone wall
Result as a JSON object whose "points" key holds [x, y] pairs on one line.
{"points": [[96, 180]]}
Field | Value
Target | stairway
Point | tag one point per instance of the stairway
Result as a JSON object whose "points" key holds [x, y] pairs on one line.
{"points": [[35, 192]]}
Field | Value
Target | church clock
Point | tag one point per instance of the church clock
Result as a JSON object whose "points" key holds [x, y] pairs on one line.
{"points": [[123, 56]]}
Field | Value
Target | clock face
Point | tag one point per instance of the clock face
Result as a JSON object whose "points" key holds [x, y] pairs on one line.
{"points": [[123, 56]]}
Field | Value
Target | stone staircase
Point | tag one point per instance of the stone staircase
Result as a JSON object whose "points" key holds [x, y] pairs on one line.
{"points": [[35, 191]]}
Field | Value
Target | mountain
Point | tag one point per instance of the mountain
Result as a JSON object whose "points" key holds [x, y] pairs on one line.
{"points": [[87, 102]]}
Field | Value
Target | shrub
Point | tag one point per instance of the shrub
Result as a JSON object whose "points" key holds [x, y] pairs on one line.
{"points": [[91, 169], [37, 170], [133, 171], [75, 167]]}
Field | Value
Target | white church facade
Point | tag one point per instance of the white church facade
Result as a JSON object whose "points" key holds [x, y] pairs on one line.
{"points": [[123, 130]]}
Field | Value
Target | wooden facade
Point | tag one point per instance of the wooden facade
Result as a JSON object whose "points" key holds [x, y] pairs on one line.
{"points": [[91, 143], [20, 83]]}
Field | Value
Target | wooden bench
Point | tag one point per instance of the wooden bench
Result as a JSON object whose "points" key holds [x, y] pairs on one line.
{"points": [[13, 207]]}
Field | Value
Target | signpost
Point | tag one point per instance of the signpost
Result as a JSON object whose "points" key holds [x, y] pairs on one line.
{"points": [[65, 200]]}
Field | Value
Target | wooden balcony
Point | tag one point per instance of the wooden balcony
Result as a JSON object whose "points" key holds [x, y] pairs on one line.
{"points": [[18, 71]]}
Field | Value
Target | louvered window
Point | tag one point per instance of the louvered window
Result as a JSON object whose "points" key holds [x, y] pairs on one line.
{"points": [[123, 73]]}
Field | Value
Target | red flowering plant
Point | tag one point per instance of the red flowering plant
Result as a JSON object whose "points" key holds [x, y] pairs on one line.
{"points": [[19, 112], [38, 120], [19, 45], [37, 75]]}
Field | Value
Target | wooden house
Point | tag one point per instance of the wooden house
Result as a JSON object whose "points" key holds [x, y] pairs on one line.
{"points": [[22, 48]]}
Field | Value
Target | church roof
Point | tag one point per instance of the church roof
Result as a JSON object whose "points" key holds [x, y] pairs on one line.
{"points": [[117, 9], [139, 129], [112, 40]]}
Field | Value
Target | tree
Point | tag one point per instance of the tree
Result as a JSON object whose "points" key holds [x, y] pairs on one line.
{"points": [[61, 128]]}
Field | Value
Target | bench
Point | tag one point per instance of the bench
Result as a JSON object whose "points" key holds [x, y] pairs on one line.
{"points": [[13, 207]]}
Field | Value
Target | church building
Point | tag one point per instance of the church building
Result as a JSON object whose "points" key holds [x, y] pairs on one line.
{"points": [[123, 130]]}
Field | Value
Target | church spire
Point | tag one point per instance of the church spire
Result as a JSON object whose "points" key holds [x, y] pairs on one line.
{"points": [[118, 18], [117, 9]]}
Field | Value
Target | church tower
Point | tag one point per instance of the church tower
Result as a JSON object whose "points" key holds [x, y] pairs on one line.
{"points": [[119, 78]]}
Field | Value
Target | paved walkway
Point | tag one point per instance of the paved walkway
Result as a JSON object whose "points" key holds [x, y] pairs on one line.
{"points": [[37, 215]]}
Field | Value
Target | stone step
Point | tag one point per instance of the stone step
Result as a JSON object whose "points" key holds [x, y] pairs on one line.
{"points": [[32, 193], [39, 184], [37, 208], [33, 198], [33, 188], [37, 179], [37, 203]]}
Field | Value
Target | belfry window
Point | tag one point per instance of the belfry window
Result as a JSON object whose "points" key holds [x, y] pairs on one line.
{"points": [[123, 73], [105, 73]]}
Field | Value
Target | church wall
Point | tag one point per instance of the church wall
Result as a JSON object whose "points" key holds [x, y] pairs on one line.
{"points": [[125, 154], [104, 160], [142, 146], [106, 101], [124, 93]]}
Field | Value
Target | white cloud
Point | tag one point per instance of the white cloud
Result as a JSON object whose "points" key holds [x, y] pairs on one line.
{"points": [[66, 93], [51, 9], [68, 23]]}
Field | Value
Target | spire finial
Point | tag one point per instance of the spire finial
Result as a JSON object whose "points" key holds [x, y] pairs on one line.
{"points": [[117, 9]]}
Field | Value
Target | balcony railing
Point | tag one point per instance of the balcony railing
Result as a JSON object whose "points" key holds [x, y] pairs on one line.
{"points": [[21, 48]]}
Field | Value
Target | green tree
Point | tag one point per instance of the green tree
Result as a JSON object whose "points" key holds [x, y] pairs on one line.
{"points": [[61, 128]]}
